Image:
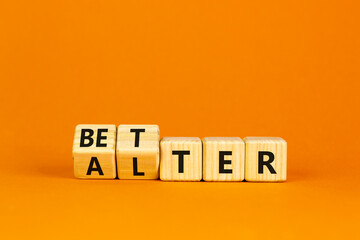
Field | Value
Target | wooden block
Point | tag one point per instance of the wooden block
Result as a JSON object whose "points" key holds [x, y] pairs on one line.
{"points": [[137, 151], [94, 151], [265, 159], [223, 159], [181, 159]]}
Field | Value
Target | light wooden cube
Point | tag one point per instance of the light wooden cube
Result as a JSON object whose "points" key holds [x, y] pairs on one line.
{"points": [[181, 159], [137, 151], [223, 159], [94, 151], [265, 159]]}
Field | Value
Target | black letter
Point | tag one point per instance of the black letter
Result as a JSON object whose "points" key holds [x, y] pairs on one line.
{"points": [[99, 137], [83, 137], [181, 159], [91, 168], [267, 163], [136, 173], [222, 162], [137, 135]]}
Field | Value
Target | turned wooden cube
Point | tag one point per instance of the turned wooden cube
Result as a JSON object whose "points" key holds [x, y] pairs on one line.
{"points": [[137, 151], [94, 151], [223, 159], [181, 159], [265, 159]]}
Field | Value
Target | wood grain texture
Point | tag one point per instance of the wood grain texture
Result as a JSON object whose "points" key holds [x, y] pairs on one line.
{"points": [[277, 146], [169, 164], [105, 155], [212, 146], [146, 152]]}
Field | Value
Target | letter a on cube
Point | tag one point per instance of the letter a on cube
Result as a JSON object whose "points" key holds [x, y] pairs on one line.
{"points": [[265, 159], [181, 159], [94, 151], [137, 151]]}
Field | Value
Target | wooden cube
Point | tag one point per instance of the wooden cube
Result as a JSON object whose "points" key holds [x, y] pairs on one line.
{"points": [[94, 151], [137, 151], [223, 159], [181, 159], [265, 159]]}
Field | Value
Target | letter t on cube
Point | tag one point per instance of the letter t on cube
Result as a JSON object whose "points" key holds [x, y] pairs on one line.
{"points": [[181, 159], [137, 151]]}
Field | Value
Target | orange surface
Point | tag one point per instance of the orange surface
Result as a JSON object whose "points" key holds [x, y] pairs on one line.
{"points": [[196, 68]]}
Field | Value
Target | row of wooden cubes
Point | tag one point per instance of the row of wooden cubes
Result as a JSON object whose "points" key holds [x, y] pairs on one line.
{"points": [[134, 152]]}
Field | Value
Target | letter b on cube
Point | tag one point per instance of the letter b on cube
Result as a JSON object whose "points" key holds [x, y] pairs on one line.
{"points": [[94, 151]]}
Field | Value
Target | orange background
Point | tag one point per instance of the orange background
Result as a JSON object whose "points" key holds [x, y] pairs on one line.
{"points": [[196, 68]]}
